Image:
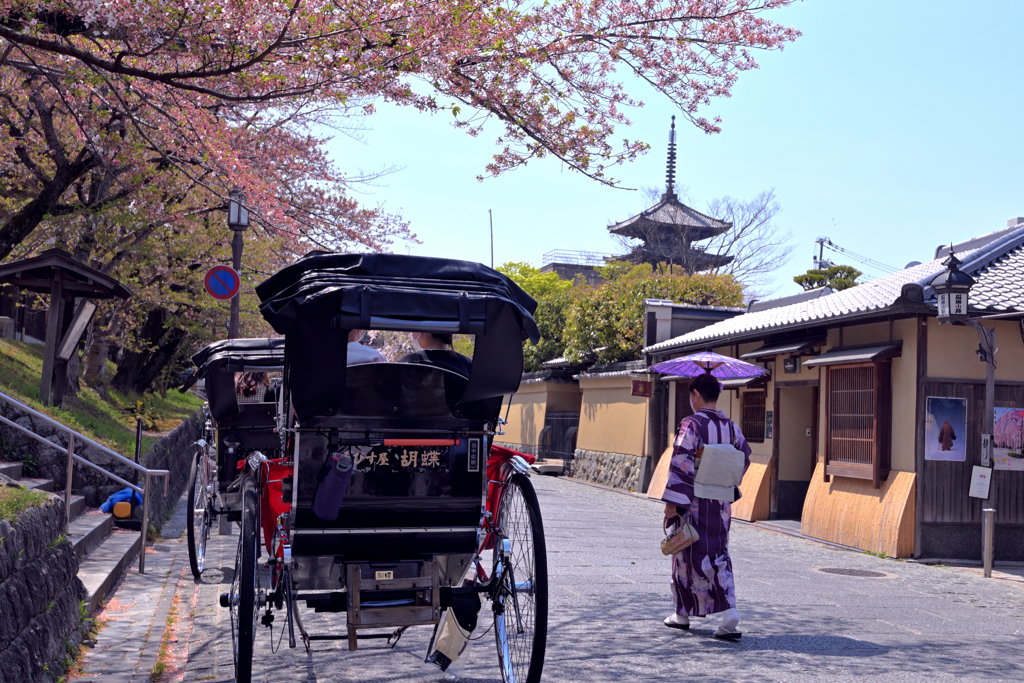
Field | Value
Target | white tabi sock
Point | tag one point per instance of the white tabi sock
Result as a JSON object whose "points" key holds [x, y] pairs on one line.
{"points": [[677, 620], [730, 618]]}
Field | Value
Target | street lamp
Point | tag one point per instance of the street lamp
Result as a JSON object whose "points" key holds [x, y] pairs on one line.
{"points": [[238, 221], [952, 289]]}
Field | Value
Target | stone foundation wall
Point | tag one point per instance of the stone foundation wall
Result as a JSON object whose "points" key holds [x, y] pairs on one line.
{"points": [[40, 623], [612, 469]]}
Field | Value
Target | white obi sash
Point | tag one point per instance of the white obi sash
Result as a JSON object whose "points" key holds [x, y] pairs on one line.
{"points": [[719, 473]]}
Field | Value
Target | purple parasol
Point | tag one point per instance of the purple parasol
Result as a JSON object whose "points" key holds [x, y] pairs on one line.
{"points": [[720, 367]]}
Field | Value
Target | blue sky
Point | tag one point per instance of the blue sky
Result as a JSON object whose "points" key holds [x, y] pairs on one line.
{"points": [[890, 127]]}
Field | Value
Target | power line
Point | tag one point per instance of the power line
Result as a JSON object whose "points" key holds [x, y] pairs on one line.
{"points": [[863, 260]]}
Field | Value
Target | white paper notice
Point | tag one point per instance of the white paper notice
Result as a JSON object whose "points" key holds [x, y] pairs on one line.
{"points": [[981, 479]]}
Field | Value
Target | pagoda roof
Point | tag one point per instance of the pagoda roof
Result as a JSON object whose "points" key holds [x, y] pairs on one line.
{"points": [[691, 260], [670, 214]]}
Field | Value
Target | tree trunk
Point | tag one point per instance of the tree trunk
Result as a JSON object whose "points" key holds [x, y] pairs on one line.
{"points": [[158, 360], [101, 333], [149, 337]]}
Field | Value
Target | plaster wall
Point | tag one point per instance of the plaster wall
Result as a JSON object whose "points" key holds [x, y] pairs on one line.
{"points": [[611, 420], [904, 397], [525, 415], [951, 352], [563, 396], [866, 334]]}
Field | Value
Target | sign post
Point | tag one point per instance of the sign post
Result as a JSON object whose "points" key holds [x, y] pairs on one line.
{"points": [[222, 282]]}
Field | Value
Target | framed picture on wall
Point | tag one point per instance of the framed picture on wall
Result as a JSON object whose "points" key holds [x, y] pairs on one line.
{"points": [[1008, 439], [945, 432]]}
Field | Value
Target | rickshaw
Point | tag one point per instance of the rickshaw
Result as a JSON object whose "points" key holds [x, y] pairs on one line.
{"points": [[213, 488], [389, 503]]}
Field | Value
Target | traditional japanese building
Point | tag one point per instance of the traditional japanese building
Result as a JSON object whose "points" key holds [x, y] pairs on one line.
{"points": [[845, 430], [668, 230]]}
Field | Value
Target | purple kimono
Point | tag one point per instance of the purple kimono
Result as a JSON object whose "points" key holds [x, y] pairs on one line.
{"points": [[702, 581]]}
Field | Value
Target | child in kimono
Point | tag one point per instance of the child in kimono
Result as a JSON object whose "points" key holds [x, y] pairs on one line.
{"points": [[702, 580]]}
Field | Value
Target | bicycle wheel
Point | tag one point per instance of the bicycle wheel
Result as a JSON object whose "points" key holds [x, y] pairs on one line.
{"points": [[198, 514], [245, 587], [521, 615]]}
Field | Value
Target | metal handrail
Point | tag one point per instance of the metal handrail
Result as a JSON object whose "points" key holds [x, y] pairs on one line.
{"points": [[73, 458]]}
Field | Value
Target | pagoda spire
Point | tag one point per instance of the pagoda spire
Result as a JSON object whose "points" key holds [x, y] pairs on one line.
{"points": [[670, 171]]}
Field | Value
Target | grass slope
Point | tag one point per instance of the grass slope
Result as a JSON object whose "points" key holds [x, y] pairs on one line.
{"points": [[108, 421], [14, 499]]}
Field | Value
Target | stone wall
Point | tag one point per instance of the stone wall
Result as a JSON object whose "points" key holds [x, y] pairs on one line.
{"points": [[174, 453], [40, 623], [612, 469]]}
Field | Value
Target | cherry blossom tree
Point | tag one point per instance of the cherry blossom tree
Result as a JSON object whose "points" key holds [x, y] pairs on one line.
{"points": [[199, 84]]}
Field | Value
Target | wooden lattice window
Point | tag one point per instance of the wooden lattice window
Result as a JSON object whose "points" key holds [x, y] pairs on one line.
{"points": [[859, 413], [752, 422]]}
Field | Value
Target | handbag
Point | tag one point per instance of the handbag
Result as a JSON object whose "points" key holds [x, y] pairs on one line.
{"points": [[683, 537]]}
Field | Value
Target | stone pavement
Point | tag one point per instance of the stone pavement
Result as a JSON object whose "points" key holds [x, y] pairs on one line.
{"points": [[133, 619], [609, 593]]}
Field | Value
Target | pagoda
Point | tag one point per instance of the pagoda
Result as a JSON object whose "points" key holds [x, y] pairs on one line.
{"points": [[669, 229]]}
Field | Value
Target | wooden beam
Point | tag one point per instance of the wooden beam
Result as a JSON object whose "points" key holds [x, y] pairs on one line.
{"points": [[774, 498], [919, 465], [53, 319]]}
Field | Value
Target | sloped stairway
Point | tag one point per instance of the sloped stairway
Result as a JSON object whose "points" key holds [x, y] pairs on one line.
{"points": [[104, 553]]}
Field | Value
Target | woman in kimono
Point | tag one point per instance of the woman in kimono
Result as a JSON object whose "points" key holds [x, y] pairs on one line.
{"points": [[702, 580]]}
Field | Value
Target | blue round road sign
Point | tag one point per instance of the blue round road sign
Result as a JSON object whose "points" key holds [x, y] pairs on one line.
{"points": [[222, 282]]}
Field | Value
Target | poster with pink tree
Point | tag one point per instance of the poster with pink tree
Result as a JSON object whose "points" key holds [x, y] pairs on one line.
{"points": [[1008, 439]]}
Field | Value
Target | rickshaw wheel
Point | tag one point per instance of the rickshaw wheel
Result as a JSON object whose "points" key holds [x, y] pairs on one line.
{"points": [[244, 588], [198, 514], [522, 634]]}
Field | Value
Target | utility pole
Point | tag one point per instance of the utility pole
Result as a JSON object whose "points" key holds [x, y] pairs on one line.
{"points": [[491, 217]]}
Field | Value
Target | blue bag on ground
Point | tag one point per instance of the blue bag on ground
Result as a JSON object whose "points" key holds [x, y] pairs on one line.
{"points": [[122, 495], [333, 484]]}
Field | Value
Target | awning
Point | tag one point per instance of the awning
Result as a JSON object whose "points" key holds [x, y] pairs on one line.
{"points": [[857, 354], [794, 346]]}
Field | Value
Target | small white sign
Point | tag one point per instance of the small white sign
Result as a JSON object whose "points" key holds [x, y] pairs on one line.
{"points": [[981, 480], [986, 450]]}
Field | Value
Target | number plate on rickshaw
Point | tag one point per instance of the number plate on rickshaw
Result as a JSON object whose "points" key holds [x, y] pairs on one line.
{"points": [[385, 576]]}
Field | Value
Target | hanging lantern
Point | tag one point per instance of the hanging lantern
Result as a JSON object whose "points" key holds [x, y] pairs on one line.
{"points": [[951, 291]]}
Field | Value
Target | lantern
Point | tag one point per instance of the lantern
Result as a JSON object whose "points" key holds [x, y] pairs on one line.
{"points": [[238, 214], [951, 291]]}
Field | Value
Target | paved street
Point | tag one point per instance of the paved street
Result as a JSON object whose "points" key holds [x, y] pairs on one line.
{"points": [[610, 592]]}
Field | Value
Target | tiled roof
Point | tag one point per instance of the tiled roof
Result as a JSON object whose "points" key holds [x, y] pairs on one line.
{"points": [[670, 213], [765, 304], [1000, 286], [998, 267]]}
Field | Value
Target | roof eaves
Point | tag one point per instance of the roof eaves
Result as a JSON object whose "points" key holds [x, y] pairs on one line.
{"points": [[901, 308]]}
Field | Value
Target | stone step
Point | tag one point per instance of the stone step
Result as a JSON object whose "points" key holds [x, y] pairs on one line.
{"points": [[87, 531], [11, 469], [37, 484], [549, 466], [77, 504], [106, 564]]}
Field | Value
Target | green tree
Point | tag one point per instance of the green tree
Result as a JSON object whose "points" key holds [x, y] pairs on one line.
{"points": [[553, 295], [608, 321], [534, 282], [836, 277]]}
